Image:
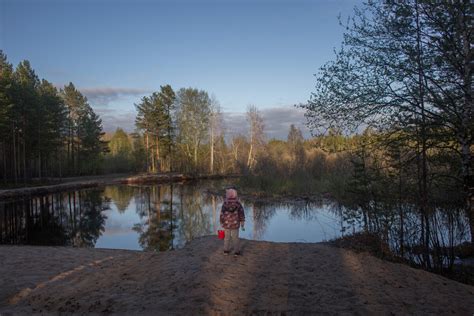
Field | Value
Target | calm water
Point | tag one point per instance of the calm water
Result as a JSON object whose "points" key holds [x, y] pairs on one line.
{"points": [[157, 217]]}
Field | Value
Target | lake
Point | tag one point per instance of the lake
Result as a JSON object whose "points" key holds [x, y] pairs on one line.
{"points": [[157, 217]]}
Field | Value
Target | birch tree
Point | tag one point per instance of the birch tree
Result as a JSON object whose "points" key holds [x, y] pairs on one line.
{"points": [[193, 114], [216, 130], [256, 135]]}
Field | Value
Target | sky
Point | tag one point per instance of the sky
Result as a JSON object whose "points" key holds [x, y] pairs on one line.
{"points": [[258, 52]]}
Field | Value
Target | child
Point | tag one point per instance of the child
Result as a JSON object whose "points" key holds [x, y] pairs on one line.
{"points": [[232, 216]]}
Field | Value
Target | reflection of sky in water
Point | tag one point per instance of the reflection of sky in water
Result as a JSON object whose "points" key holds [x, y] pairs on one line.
{"points": [[195, 216], [281, 227], [118, 232], [139, 217]]}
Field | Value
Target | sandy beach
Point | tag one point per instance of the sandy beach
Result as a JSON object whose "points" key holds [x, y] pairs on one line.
{"points": [[270, 278]]}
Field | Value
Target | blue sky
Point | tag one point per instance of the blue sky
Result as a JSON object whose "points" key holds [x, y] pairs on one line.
{"points": [[257, 52]]}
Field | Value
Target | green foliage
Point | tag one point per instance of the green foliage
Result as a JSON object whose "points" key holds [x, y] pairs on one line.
{"points": [[120, 144], [406, 68], [120, 156], [84, 132], [44, 132], [192, 120], [154, 119]]}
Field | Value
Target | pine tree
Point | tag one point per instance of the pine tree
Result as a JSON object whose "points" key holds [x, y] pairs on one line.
{"points": [[167, 128], [7, 128], [89, 136], [154, 118], [51, 131], [25, 110]]}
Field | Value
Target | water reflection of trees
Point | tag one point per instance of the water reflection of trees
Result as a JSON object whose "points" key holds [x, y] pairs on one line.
{"points": [[155, 208], [121, 195], [427, 240], [194, 215], [174, 214], [261, 214], [303, 210], [72, 218]]}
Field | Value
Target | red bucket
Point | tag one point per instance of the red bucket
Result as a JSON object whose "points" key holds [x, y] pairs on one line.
{"points": [[221, 234]]}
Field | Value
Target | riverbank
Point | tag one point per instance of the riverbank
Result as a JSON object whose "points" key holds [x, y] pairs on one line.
{"points": [[78, 183], [291, 278], [272, 198]]}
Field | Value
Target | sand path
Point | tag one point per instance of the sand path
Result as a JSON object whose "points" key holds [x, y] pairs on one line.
{"points": [[278, 278]]}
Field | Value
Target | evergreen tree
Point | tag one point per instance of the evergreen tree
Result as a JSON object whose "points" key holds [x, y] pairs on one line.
{"points": [[52, 124], [154, 118], [25, 109], [7, 127], [75, 103], [167, 129], [89, 137], [84, 132]]}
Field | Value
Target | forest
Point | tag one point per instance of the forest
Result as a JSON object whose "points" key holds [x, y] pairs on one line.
{"points": [[391, 116]]}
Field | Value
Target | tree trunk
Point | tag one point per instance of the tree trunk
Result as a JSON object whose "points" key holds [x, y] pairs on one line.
{"points": [[4, 158], [467, 184], [196, 146], [212, 150], [423, 185], [73, 158], [60, 164], [158, 161], [39, 165], [152, 159], [195, 156], [24, 158], [147, 153], [466, 124], [400, 206], [249, 159], [170, 140], [15, 165], [39, 149]]}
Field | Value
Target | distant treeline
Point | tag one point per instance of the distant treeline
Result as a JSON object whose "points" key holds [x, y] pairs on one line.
{"points": [[46, 132]]}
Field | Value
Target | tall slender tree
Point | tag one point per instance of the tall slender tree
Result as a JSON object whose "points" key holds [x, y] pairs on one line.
{"points": [[26, 107], [167, 129], [7, 125], [51, 129], [256, 135], [216, 129], [193, 115], [154, 118]]}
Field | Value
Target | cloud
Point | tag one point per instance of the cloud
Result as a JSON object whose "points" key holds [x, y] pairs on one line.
{"points": [[100, 96], [277, 121], [111, 120]]}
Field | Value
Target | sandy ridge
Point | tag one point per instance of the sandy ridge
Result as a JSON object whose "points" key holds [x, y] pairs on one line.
{"points": [[279, 278]]}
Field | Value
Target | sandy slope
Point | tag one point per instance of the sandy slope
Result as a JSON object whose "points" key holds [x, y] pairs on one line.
{"points": [[282, 278]]}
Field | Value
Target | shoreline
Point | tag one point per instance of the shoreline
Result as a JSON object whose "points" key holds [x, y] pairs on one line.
{"points": [[99, 181], [292, 278]]}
